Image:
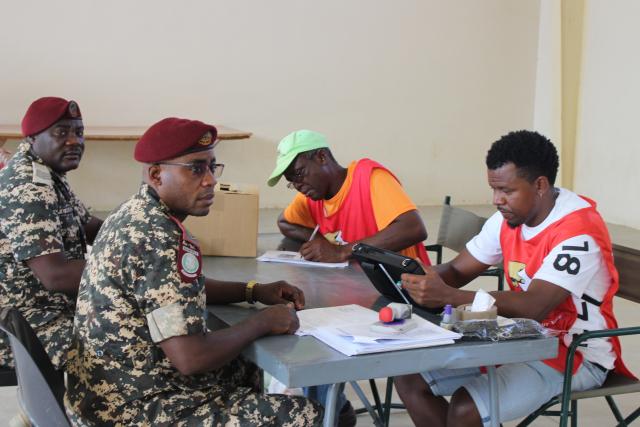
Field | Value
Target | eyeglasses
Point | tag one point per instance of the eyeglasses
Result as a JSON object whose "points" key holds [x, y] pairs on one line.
{"points": [[296, 178], [198, 169], [300, 174]]}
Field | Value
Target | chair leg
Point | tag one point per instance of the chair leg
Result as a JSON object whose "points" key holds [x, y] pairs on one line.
{"points": [[615, 410], [540, 411], [529, 419], [635, 414], [622, 422], [574, 413], [376, 399], [377, 421]]}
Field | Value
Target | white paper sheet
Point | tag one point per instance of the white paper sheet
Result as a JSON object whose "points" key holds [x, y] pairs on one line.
{"points": [[346, 329], [424, 330], [295, 258], [333, 317]]}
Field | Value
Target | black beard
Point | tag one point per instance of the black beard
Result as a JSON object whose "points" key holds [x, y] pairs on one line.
{"points": [[512, 226]]}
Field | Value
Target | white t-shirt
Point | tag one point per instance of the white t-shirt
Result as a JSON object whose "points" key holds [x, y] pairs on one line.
{"points": [[576, 265]]}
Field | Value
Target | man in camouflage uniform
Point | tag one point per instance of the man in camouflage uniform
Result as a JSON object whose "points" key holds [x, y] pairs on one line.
{"points": [[44, 228], [142, 353]]}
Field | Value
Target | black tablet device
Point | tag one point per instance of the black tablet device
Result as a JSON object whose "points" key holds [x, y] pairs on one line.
{"points": [[383, 268]]}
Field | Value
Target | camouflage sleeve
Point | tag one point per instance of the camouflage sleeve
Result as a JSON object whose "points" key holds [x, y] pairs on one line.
{"points": [[30, 220], [172, 307]]}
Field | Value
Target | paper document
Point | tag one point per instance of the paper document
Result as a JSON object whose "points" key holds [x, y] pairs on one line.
{"points": [[295, 258], [347, 329]]}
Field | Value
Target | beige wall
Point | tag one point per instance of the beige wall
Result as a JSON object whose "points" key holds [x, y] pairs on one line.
{"points": [[608, 151], [422, 86], [548, 95]]}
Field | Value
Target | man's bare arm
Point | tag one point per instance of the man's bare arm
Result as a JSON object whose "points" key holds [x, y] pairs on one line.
{"points": [[293, 231], [193, 354]]}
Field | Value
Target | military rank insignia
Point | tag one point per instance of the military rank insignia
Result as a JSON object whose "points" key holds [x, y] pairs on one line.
{"points": [[207, 139], [74, 111], [41, 174]]}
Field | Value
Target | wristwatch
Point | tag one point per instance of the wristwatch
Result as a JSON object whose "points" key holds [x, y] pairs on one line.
{"points": [[248, 291]]}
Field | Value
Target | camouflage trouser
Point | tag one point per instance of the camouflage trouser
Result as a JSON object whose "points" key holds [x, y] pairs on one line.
{"points": [[257, 409], [55, 336], [246, 405]]}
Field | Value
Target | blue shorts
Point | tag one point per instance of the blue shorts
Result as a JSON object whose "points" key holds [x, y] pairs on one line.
{"points": [[522, 387]]}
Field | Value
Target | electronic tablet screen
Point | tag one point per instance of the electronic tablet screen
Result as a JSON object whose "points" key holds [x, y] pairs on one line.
{"points": [[384, 268]]}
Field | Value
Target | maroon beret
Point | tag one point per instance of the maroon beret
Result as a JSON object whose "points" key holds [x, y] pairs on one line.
{"points": [[45, 112], [173, 137]]}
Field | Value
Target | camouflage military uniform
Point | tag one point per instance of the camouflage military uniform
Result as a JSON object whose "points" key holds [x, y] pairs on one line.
{"points": [[131, 298], [39, 215]]}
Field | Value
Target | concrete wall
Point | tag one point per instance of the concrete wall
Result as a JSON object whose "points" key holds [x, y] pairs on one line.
{"points": [[421, 86], [608, 150]]}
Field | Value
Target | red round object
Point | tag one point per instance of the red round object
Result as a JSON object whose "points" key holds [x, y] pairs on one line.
{"points": [[385, 314]]}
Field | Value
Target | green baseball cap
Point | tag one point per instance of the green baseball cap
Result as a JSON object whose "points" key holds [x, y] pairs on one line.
{"points": [[293, 144]]}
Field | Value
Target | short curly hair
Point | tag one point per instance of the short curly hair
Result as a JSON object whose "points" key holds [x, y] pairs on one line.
{"points": [[532, 153]]}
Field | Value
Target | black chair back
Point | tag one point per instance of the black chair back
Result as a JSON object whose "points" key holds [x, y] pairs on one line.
{"points": [[40, 387]]}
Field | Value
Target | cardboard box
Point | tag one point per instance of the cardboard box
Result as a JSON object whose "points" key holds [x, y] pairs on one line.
{"points": [[463, 312], [231, 228]]}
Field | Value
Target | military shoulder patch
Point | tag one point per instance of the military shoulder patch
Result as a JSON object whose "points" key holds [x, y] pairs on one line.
{"points": [[167, 322], [41, 174], [189, 255], [189, 260]]}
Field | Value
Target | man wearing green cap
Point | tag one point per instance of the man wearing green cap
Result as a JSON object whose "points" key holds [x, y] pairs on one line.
{"points": [[361, 203]]}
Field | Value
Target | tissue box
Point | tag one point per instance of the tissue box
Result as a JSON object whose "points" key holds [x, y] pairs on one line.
{"points": [[231, 228], [462, 313]]}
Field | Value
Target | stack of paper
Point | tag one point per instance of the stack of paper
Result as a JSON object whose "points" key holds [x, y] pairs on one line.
{"points": [[347, 329], [296, 258]]}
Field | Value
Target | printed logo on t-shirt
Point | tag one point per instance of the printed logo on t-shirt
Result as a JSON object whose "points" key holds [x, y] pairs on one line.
{"points": [[335, 238], [518, 275]]}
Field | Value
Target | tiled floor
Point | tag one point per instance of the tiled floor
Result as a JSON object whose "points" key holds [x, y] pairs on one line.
{"points": [[593, 412]]}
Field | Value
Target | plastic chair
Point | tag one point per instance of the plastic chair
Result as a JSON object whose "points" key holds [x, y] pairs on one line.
{"points": [[457, 227], [40, 386], [628, 264]]}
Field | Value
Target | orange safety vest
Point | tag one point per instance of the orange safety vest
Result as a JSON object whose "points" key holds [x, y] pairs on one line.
{"points": [[532, 252], [355, 217]]}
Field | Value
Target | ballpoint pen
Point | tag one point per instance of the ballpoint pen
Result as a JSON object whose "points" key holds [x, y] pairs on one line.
{"points": [[315, 230]]}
